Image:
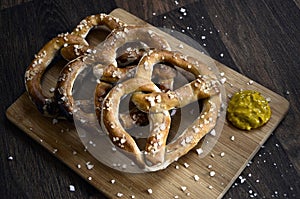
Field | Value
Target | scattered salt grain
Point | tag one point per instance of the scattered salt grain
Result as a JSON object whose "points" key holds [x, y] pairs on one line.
{"points": [[89, 166], [199, 151], [133, 196], [119, 195], [10, 158], [112, 181], [180, 46], [222, 154], [212, 173], [221, 55], [71, 188], [232, 138], [90, 178], [183, 188], [223, 80], [209, 166], [150, 191], [54, 121], [78, 166], [186, 165], [210, 187], [196, 178], [242, 180], [182, 10], [213, 132], [203, 37]]}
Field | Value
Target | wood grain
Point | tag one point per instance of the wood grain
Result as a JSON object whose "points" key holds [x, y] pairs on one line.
{"points": [[228, 168]]}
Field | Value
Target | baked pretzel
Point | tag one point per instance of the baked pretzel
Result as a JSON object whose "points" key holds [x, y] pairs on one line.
{"points": [[83, 28], [34, 73], [149, 98], [105, 61]]}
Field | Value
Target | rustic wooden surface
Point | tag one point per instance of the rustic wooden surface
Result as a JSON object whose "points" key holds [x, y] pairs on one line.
{"points": [[259, 39]]}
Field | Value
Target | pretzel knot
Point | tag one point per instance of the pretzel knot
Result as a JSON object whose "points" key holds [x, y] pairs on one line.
{"points": [[104, 62], [157, 104]]}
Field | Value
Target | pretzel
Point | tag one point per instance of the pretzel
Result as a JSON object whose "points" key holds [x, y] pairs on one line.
{"points": [[105, 62], [35, 71], [149, 98], [83, 28]]}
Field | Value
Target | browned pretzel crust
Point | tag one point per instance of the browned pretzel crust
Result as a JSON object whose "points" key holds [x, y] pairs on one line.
{"points": [[157, 104], [105, 61], [33, 75], [84, 27]]}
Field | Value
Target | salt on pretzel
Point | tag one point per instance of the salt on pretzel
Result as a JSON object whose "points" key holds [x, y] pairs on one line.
{"points": [[105, 61], [34, 73], [147, 97], [84, 27]]}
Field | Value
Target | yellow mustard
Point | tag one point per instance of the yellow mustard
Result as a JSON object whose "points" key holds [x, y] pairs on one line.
{"points": [[248, 109]]}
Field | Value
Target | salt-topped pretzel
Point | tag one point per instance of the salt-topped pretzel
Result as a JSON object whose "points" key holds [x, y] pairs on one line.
{"points": [[157, 104], [84, 27], [105, 61], [35, 71], [121, 36]]}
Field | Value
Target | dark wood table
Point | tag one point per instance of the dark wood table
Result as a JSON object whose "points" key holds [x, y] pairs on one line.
{"points": [[259, 39]]}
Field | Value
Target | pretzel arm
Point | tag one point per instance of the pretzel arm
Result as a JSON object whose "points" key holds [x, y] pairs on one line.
{"points": [[195, 132], [156, 101], [64, 86], [110, 118], [160, 123], [34, 73], [84, 27]]}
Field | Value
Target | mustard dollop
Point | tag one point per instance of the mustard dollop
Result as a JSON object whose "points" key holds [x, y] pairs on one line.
{"points": [[248, 110]]}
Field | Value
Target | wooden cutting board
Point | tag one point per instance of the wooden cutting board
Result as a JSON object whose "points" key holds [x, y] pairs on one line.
{"points": [[63, 142]]}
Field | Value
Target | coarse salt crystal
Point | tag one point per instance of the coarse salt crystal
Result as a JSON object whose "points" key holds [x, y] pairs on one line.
{"points": [[112, 181], [232, 138], [222, 154], [199, 151], [119, 195], [213, 132], [196, 177], [212, 173], [150, 191], [183, 188], [186, 165], [89, 165], [54, 121], [71, 187], [182, 10], [10, 158]]}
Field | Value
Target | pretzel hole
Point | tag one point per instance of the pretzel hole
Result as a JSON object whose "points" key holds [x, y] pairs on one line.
{"points": [[97, 35], [130, 53]]}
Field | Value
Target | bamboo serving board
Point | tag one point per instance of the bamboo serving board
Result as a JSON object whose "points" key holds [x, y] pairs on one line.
{"points": [[62, 140]]}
